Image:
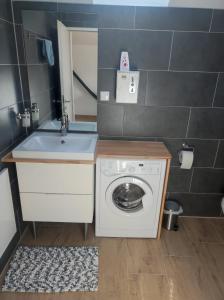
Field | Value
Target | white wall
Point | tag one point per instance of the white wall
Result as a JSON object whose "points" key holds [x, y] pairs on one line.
{"points": [[84, 56]]}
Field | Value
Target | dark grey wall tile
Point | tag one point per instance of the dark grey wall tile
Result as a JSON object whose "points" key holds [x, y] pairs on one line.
{"points": [[204, 150], [33, 49], [25, 82], [218, 21], [206, 123], [6, 133], [16, 125], [79, 19], [44, 100], [20, 43], [111, 43], [40, 22], [179, 180], [194, 51], [155, 121], [219, 163], [116, 16], [84, 8], [5, 10], [36, 5], [187, 19], [110, 119], [7, 49], [152, 49], [219, 95], [10, 90], [107, 82], [39, 79], [198, 204], [180, 88], [208, 180], [147, 49]]}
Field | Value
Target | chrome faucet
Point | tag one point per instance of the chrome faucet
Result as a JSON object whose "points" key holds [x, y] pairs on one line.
{"points": [[64, 124]]}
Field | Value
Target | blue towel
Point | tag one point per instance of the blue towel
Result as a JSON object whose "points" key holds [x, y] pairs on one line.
{"points": [[47, 50]]}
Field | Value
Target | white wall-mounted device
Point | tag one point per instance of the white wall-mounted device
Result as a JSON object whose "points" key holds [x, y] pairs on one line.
{"points": [[127, 87]]}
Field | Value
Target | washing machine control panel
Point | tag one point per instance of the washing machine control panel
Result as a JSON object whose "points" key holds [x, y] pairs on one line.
{"points": [[117, 166]]}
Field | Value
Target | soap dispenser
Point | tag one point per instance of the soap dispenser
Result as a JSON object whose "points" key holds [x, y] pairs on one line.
{"points": [[25, 117]]}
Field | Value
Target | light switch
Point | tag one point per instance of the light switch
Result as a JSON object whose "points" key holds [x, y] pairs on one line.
{"points": [[104, 96]]}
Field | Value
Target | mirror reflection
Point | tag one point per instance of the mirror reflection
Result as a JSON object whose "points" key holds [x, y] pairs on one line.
{"points": [[59, 71]]}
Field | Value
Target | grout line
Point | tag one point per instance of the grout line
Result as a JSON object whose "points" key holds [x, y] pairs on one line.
{"points": [[159, 137], [191, 179], [160, 30], [188, 123], [7, 21], [165, 70], [210, 26], [209, 167], [147, 98], [175, 106], [11, 105], [17, 52], [171, 48], [216, 154], [216, 85], [193, 193]]}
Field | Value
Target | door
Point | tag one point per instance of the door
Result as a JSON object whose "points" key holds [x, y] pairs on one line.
{"points": [[129, 196], [65, 59]]}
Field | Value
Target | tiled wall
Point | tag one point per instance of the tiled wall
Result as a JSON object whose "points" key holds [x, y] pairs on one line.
{"points": [[181, 95], [38, 77], [11, 102]]}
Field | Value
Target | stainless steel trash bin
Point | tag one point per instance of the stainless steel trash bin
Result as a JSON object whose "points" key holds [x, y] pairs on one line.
{"points": [[171, 212]]}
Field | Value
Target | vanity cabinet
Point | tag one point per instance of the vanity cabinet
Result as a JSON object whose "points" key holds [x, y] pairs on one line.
{"points": [[56, 192]]}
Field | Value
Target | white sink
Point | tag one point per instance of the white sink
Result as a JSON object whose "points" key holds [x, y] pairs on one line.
{"points": [[52, 145], [76, 126]]}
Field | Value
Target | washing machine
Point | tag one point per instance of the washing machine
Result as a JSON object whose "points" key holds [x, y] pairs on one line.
{"points": [[128, 197]]}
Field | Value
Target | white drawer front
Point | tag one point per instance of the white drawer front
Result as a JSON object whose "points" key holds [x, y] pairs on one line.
{"points": [[55, 178], [57, 208]]}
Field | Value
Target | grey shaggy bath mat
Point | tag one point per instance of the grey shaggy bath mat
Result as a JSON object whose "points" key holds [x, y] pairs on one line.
{"points": [[52, 269]]}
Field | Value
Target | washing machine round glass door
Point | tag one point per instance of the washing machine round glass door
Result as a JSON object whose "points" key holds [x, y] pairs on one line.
{"points": [[129, 195]]}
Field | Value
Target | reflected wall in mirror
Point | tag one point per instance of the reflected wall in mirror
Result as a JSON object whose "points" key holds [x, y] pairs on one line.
{"points": [[84, 61], [58, 65]]}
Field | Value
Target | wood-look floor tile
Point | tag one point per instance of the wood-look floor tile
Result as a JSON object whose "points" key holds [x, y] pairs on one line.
{"points": [[201, 230], [183, 265], [177, 243], [219, 227], [144, 256], [188, 279], [113, 269], [147, 286], [211, 256]]}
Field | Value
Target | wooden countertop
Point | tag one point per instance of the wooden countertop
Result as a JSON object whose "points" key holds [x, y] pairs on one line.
{"points": [[132, 149], [108, 148], [8, 158]]}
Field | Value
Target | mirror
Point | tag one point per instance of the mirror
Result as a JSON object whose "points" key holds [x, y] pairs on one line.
{"points": [[58, 63]]}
